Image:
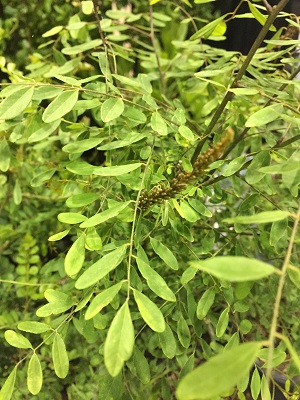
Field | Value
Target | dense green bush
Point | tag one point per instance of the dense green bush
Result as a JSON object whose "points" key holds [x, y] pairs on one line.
{"points": [[149, 208]]}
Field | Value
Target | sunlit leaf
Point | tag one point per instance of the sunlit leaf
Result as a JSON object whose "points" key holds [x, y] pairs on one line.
{"points": [[93, 240], [71, 218], [260, 218], [158, 124], [14, 104], [219, 374], [34, 375], [82, 145], [234, 269], [59, 235], [150, 313], [8, 386], [60, 357], [33, 327], [164, 253], [91, 44], [111, 109], [119, 342], [60, 106], [155, 282], [53, 31], [17, 340], [75, 256], [116, 170], [105, 215], [265, 115], [101, 268], [102, 300], [81, 200]]}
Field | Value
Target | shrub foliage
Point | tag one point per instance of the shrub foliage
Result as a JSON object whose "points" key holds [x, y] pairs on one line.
{"points": [[149, 206]]}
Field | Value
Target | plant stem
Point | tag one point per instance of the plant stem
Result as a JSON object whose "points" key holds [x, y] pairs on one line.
{"points": [[286, 262]]}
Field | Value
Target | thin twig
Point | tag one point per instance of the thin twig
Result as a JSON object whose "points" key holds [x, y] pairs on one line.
{"points": [[281, 282], [269, 8]]}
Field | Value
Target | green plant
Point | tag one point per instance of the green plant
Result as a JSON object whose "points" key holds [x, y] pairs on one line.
{"points": [[176, 195]]}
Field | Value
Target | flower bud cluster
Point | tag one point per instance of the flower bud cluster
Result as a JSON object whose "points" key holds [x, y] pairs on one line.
{"points": [[163, 191]]}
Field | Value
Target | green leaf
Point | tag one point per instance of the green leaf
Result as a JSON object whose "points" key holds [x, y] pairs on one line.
{"points": [[186, 133], [34, 375], [119, 342], [8, 387], [59, 302], [116, 170], [53, 31], [80, 168], [283, 168], [186, 211], [75, 256], [81, 200], [102, 300], [183, 332], [200, 207], [46, 92], [111, 109], [234, 269], [234, 166], [150, 313], [71, 218], [117, 144], [59, 235], [158, 124], [164, 253], [255, 384], [60, 106], [17, 340], [105, 215], [188, 275], [91, 44], [4, 155], [141, 366], [34, 327], [39, 179], [14, 104], [17, 193], [260, 218], [167, 342], [278, 230], [93, 241], [219, 374], [60, 357], [82, 145], [204, 304], [208, 29], [261, 18], [222, 323], [265, 116], [155, 282], [101, 268], [43, 131]]}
